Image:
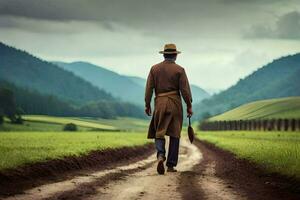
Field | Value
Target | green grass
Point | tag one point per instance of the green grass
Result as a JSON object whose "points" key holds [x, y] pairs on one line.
{"points": [[19, 148], [121, 123], [65, 120], [35, 126], [275, 151], [41, 138], [50, 123], [266, 109]]}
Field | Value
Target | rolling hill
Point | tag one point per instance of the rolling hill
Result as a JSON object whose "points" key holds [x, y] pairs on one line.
{"points": [[265, 109], [127, 88], [277, 79], [66, 120], [35, 103], [41, 87], [22, 69], [119, 86]]}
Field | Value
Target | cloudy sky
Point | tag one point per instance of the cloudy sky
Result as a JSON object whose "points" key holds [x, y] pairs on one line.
{"points": [[221, 40]]}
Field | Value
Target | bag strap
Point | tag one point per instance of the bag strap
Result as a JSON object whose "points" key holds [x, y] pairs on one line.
{"points": [[189, 121]]}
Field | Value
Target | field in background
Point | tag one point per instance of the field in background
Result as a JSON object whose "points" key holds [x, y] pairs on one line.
{"points": [[266, 109], [65, 120], [274, 151], [121, 123], [18, 148], [41, 138], [50, 123]]}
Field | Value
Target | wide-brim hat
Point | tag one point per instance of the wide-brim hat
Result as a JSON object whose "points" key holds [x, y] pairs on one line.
{"points": [[170, 49]]}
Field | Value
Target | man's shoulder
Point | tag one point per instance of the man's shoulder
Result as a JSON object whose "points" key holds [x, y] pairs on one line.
{"points": [[173, 64], [157, 64], [179, 66]]}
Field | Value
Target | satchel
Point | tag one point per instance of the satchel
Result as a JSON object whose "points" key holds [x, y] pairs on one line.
{"points": [[191, 133]]}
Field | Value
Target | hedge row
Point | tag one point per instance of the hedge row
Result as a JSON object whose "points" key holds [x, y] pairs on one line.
{"points": [[255, 125]]}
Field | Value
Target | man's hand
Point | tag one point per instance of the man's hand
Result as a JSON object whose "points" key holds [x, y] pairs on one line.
{"points": [[189, 112], [148, 110]]}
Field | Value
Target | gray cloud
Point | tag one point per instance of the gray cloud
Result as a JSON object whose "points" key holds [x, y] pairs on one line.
{"points": [[286, 27], [162, 17], [57, 27], [99, 9], [253, 1]]}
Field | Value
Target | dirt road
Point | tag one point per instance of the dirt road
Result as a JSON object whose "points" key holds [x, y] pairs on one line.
{"points": [[202, 174]]}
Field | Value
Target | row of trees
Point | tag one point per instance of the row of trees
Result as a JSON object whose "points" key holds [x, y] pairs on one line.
{"points": [[8, 107], [255, 125], [15, 101]]}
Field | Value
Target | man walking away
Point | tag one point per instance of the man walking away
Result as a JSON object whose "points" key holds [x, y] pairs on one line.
{"points": [[169, 82]]}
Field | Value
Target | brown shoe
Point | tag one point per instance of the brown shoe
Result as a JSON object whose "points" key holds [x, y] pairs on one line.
{"points": [[171, 169], [160, 165]]}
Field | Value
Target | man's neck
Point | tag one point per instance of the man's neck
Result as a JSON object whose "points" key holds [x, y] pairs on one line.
{"points": [[170, 59]]}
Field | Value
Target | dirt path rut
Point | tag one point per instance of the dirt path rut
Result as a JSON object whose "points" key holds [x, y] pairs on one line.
{"points": [[147, 184], [204, 172]]}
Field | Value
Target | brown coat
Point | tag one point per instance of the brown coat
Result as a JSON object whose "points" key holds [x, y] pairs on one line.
{"points": [[167, 115]]}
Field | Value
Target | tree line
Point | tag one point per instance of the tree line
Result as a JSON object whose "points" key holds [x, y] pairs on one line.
{"points": [[252, 125], [15, 101], [8, 107]]}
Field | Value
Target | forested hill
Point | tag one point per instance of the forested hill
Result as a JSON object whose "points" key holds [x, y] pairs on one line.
{"points": [[32, 102], [118, 85], [279, 78], [27, 71], [41, 87]]}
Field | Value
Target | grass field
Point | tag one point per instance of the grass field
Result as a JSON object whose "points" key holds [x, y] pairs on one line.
{"points": [[65, 120], [266, 109], [41, 138], [121, 123], [50, 123], [274, 151], [33, 126], [19, 148]]}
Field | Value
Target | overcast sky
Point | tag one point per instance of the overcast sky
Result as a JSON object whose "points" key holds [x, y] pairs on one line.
{"points": [[221, 40]]}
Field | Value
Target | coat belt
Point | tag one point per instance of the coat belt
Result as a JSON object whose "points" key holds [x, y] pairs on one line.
{"points": [[168, 93]]}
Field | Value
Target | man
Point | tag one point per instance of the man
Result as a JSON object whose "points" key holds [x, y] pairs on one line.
{"points": [[169, 81]]}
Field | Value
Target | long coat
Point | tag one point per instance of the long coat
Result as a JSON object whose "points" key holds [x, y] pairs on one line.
{"points": [[163, 78]]}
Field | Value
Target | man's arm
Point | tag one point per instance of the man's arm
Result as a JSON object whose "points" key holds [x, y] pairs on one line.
{"points": [[185, 91], [149, 93]]}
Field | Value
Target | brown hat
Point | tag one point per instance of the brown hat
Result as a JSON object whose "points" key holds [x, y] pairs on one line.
{"points": [[170, 49]]}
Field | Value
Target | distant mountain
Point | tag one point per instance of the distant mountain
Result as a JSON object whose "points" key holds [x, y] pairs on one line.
{"points": [[118, 85], [41, 87], [279, 78], [27, 71], [127, 88], [138, 80], [198, 93]]}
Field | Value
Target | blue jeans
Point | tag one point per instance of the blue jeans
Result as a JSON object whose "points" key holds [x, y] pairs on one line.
{"points": [[173, 150]]}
